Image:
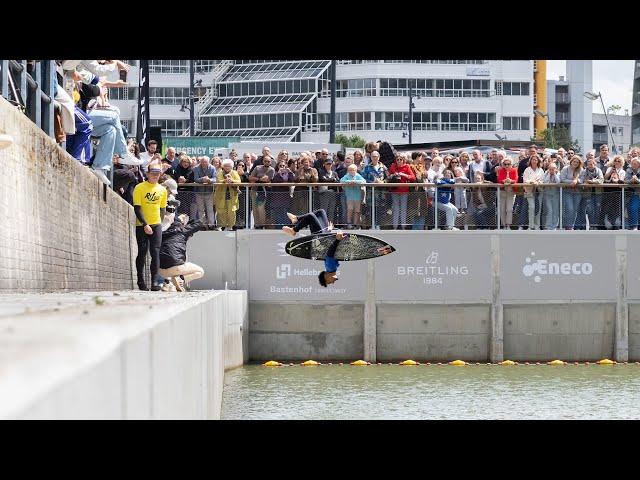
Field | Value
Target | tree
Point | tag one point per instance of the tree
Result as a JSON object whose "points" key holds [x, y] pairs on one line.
{"points": [[613, 109], [556, 137], [354, 141]]}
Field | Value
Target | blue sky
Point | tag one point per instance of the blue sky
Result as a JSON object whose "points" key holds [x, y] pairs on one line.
{"points": [[613, 78]]}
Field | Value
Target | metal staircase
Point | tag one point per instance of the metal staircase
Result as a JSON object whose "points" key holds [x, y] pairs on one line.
{"points": [[212, 92]]}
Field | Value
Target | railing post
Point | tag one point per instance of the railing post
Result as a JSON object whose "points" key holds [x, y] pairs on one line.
{"points": [[310, 198], [622, 209], [23, 85], [246, 207], [373, 207], [498, 207], [435, 209], [4, 79], [48, 77], [561, 208]]}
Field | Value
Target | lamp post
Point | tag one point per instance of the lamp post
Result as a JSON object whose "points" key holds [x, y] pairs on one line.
{"points": [[501, 138], [191, 109], [594, 96], [546, 115], [332, 114]]}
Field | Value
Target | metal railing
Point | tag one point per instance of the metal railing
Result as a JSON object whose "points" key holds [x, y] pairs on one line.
{"points": [[29, 85], [462, 206]]}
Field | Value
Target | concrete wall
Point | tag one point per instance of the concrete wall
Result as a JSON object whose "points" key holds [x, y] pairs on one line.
{"points": [[433, 332], [302, 331], [140, 356], [61, 229], [490, 295], [569, 332]]}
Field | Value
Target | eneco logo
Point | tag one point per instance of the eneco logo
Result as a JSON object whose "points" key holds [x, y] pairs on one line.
{"points": [[545, 267], [283, 271]]}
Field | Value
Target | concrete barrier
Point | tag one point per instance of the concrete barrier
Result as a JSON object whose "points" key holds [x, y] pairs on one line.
{"points": [[430, 300], [136, 356]]}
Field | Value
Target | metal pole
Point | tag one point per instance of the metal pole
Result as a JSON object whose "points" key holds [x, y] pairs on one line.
{"points": [[622, 209], [191, 112], [310, 198], [373, 207], [608, 126], [410, 110], [498, 206], [435, 209], [332, 114], [561, 208], [246, 207]]}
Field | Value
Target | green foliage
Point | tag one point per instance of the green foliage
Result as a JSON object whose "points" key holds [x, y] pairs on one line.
{"points": [[354, 141], [557, 137], [613, 109]]}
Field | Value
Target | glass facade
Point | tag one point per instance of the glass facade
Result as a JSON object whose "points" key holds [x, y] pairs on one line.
{"points": [[265, 99]]}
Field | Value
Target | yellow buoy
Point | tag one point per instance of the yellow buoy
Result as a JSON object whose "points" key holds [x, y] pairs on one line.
{"points": [[310, 363], [507, 362], [359, 363], [458, 363], [555, 362], [272, 363], [605, 361], [409, 363]]}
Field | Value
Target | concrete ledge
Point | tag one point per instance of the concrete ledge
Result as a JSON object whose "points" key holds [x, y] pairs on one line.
{"points": [[127, 355]]}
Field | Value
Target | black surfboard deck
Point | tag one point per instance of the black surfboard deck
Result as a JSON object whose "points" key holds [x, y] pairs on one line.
{"points": [[354, 246]]}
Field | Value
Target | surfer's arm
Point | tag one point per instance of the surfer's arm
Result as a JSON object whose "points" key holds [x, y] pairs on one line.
{"points": [[332, 249]]}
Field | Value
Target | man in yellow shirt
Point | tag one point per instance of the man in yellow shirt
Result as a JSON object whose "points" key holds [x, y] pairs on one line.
{"points": [[149, 204]]}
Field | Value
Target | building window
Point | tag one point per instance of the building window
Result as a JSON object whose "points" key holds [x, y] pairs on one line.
{"points": [[168, 96], [171, 128], [122, 93], [364, 87], [515, 123], [345, 121], [434, 87], [168, 66], [443, 121], [515, 88]]}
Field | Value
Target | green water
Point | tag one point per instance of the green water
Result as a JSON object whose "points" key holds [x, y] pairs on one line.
{"points": [[433, 392]]}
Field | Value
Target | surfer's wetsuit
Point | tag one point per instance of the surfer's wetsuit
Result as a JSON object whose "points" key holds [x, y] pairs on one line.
{"points": [[318, 222]]}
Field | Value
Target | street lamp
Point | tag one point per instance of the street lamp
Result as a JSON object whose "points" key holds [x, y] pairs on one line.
{"points": [[546, 115], [594, 96], [501, 138], [411, 107]]}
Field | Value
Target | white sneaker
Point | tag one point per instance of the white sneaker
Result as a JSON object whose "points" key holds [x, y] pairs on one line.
{"points": [[454, 228], [99, 172], [130, 159]]}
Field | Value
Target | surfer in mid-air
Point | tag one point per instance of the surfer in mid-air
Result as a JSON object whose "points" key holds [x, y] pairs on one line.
{"points": [[318, 222]]}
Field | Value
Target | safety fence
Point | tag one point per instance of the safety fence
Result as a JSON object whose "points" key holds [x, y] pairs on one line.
{"points": [[29, 85], [416, 206]]}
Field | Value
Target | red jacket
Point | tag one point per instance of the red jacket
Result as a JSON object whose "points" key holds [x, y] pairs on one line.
{"points": [[403, 169], [513, 175]]}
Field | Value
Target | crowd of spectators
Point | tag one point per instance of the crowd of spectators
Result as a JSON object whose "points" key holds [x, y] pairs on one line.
{"points": [[465, 190]]}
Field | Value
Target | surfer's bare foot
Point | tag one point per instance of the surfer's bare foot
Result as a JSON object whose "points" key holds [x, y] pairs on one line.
{"points": [[289, 230], [292, 217]]}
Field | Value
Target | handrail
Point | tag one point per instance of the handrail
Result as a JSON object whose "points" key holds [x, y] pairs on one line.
{"points": [[425, 185]]}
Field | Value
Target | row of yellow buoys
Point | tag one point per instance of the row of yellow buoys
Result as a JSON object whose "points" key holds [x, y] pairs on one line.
{"points": [[456, 363]]}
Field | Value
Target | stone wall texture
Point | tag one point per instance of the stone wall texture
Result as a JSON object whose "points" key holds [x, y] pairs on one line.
{"points": [[61, 229]]}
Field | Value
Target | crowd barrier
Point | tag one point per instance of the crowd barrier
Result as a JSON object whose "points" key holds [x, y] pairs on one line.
{"points": [[471, 206]]}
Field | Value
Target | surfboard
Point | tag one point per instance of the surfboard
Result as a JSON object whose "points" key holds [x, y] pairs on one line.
{"points": [[354, 246]]}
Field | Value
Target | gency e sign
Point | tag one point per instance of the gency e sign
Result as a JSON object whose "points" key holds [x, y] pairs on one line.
{"points": [[542, 267]]}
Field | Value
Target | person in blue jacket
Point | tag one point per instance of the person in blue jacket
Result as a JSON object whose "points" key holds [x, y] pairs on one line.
{"points": [[444, 198], [318, 222]]}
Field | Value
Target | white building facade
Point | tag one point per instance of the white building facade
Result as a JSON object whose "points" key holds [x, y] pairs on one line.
{"points": [[290, 100]]}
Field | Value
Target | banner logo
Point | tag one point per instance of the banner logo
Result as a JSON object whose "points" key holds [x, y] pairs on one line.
{"points": [[543, 267]]}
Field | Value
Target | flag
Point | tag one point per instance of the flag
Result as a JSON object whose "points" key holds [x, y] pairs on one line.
{"points": [[144, 120]]}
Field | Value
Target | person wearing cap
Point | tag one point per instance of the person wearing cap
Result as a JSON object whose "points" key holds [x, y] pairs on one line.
{"points": [[226, 195], [149, 205]]}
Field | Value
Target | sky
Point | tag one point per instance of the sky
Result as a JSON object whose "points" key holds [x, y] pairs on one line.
{"points": [[613, 78]]}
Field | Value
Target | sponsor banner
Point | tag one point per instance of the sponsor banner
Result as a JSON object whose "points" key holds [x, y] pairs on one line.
{"points": [[276, 276], [142, 132], [197, 145], [558, 267], [633, 267], [434, 267]]}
